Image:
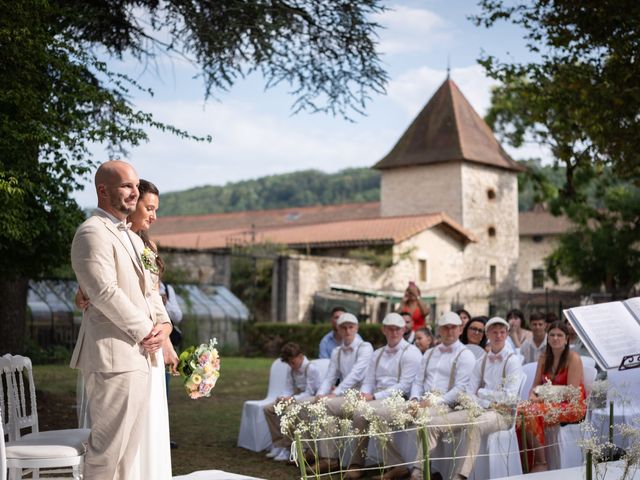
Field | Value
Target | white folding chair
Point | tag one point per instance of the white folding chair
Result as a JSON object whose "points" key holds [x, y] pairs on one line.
{"points": [[23, 414], [563, 449], [322, 364], [624, 391], [254, 433]]}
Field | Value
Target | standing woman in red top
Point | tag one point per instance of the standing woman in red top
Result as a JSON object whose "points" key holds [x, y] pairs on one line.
{"points": [[412, 304]]}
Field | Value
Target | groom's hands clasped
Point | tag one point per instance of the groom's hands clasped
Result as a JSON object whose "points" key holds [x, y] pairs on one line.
{"points": [[159, 333]]}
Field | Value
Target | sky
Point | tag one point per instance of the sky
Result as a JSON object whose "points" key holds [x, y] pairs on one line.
{"points": [[254, 132]]}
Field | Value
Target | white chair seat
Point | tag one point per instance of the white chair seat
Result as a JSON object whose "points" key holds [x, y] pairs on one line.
{"points": [[24, 450], [254, 433]]}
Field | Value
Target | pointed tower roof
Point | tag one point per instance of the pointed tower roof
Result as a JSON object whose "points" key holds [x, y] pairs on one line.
{"points": [[448, 129]]}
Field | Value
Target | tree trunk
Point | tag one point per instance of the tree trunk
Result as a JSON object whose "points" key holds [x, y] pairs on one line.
{"points": [[13, 315]]}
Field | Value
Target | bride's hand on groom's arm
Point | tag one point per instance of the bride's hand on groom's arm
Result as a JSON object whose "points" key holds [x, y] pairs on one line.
{"points": [[156, 338]]}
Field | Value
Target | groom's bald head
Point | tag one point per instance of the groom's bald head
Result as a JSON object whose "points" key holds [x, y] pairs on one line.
{"points": [[117, 188]]}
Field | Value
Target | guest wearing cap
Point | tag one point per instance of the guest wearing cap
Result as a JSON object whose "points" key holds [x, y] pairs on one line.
{"points": [[349, 361], [444, 369], [493, 385], [391, 368]]}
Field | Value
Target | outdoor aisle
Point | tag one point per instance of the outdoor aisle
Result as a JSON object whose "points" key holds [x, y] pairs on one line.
{"points": [[214, 475]]}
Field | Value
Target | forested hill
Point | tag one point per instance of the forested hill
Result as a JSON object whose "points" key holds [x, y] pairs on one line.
{"points": [[308, 187], [297, 189]]}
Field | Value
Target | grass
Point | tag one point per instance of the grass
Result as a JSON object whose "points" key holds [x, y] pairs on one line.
{"points": [[206, 430]]}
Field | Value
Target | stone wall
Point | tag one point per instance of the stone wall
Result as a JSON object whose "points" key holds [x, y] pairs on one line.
{"points": [[199, 267], [533, 251], [490, 212], [422, 189]]}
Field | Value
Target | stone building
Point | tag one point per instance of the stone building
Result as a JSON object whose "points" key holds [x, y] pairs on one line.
{"points": [[447, 219]]}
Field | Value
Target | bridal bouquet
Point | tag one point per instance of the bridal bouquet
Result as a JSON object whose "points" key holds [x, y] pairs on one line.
{"points": [[200, 368]]}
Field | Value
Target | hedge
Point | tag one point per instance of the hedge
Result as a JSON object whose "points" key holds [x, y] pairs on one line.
{"points": [[266, 339]]}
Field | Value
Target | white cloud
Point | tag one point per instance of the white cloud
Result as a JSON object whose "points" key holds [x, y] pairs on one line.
{"points": [[410, 30], [414, 88]]}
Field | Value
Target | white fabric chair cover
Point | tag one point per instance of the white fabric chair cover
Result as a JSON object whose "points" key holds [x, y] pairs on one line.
{"points": [[529, 370], [477, 350], [563, 449], [214, 475], [624, 392], [588, 361], [254, 433]]}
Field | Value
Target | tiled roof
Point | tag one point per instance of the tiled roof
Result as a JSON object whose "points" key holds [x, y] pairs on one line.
{"points": [[265, 218], [540, 222], [344, 233], [448, 129]]}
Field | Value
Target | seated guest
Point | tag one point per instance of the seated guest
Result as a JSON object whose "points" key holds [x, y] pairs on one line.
{"points": [[493, 385], [409, 334], [302, 384], [332, 339], [349, 361], [533, 348], [473, 332], [517, 331], [561, 366], [444, 369], [424, 339], [391, 368], [464, 315]]}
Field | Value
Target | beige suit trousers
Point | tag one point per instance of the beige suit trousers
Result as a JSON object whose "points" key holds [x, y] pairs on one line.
{"points": [[118, 405], [391, 454], [278, 440], [489, 422]]}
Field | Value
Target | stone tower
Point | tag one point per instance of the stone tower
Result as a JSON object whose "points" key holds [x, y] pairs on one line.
{"points": [[448, 160]]}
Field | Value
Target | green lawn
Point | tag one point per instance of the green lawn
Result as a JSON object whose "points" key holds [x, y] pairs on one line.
{"points": [[206, 429]]}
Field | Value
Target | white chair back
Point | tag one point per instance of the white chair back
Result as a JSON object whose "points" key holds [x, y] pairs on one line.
{"points": [[277, 379], [322, 364], [6, 394], [24, 395], [587, 361], [477, 350], [529, 370], [590, 374]]}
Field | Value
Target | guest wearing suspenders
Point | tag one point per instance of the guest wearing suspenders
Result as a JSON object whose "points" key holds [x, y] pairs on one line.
{"points": [[302, 384], [494, 383], [392, 368], [348, 366]]}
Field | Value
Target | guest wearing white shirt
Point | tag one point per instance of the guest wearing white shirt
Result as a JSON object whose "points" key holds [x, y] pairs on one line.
{"points": [[532, 349], [302, 384], [392, 368], [349, 361], [494, 385]]}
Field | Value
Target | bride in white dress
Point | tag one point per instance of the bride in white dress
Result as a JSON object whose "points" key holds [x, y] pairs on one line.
{"points": [[153, 460]]}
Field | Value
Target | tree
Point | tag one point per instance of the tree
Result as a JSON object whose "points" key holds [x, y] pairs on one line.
{"points": [[580, 98], [57, 96]]}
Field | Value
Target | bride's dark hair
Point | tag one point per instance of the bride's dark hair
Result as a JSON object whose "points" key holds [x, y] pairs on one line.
{"points": [[144, 188]]}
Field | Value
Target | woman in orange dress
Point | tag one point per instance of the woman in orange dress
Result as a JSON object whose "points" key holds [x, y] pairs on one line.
{"points": [[548, 406], [412, 304]]}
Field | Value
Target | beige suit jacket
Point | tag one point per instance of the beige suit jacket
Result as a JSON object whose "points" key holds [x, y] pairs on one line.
{"points": [[124, 305]]}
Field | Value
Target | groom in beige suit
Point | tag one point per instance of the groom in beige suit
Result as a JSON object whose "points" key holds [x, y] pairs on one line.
{"points": [[124, 323]]}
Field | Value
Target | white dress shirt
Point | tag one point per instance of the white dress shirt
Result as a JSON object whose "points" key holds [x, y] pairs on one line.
{"points": [[128, 243], [349, 365], [304, 382], [530, 351], [437, 376], [502, 376], [392, 369]]}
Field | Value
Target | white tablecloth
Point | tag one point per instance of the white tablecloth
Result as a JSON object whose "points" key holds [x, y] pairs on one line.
{"points": [[214, 475]]}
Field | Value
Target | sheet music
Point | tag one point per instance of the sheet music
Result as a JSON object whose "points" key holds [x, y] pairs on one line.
{"points": [[633, 304], [610, 329]]}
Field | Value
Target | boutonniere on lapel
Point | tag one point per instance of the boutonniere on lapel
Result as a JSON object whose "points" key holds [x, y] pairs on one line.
{"points": [[148, 258]]}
